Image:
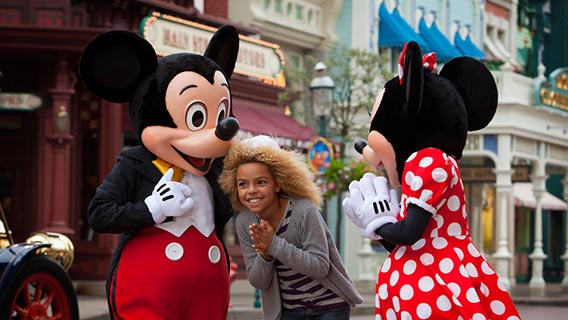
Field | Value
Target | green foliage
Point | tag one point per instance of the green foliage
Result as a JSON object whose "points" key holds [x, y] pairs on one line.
{"points": [[340, 173]]}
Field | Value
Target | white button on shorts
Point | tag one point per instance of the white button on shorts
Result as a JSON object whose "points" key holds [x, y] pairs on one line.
{"points": [[174, 251], [214, 254]]}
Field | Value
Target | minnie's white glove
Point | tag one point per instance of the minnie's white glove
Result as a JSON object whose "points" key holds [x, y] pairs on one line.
{"points": [[169, 198], [370, 205]]}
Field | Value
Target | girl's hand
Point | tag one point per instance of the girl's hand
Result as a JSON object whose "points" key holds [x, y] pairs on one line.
{"points": [[261, 236]]}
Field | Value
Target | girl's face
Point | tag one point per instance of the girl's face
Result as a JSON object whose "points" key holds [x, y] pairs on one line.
{"points": [[258, 191]]}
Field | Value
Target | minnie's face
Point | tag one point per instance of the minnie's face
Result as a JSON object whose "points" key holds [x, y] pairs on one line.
{"points": [[196, 107], [379, 151]]}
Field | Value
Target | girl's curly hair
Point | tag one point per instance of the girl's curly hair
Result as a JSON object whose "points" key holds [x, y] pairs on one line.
{"points": [[288, 168]]}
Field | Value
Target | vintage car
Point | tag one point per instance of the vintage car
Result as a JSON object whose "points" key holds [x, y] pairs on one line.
{"points": [[34, 283]]}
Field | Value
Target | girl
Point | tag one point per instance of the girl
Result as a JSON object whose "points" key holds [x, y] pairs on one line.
{"points": [[288, 249]]}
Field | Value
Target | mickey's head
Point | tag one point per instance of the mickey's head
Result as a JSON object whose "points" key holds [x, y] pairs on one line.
{"points": [[180, 105], [420, 109]]}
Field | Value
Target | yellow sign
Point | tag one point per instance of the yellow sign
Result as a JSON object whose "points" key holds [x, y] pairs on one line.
{"points": [[554, 91], [258, 59]]}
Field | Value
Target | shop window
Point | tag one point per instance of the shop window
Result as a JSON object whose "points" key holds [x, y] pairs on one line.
{"points": [[278, 6]]}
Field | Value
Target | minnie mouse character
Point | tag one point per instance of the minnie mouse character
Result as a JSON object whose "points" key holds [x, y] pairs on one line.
{"points": [[418, 131], [163, 196]]}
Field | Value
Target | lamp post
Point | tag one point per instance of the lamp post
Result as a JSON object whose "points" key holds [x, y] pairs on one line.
{"points": [[321, 88]]}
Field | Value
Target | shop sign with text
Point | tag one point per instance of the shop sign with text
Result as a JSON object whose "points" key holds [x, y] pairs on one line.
{"points": [[19, 101], [554, 91], [258, 59]]}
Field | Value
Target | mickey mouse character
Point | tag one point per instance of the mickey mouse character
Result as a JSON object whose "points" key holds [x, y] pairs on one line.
{"points": [[418, 131], [163, 196]]}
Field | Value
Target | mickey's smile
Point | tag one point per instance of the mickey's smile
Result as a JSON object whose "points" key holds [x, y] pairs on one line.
{"points": [[198, 163]]}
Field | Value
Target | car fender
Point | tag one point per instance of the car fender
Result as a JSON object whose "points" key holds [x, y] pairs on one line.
{"points": [[11, 258]]}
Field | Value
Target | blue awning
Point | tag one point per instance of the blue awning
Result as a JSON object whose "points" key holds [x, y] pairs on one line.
{"points": [[467, 47], [394, 31], [438, 42]]}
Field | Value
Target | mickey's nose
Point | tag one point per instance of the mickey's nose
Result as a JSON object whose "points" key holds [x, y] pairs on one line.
{"points": [[227, 129]]}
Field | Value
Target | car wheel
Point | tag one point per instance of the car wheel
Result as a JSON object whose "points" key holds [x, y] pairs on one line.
{"points": [[40, 289]]}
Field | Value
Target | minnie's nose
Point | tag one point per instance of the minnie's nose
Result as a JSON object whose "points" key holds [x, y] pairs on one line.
{"points": [[227, 129], [360, 145]]}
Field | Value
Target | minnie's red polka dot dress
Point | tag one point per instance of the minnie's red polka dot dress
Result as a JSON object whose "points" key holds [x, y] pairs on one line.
{"points": [[443, 275]]}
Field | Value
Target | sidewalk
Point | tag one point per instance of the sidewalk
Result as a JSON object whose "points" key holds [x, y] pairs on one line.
{"points": [[94, 307]]}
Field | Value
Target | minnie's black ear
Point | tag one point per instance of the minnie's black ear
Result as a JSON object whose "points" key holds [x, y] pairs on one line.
{"points": [[115, 63], [223, 48], [412, 80], [477, 87]]}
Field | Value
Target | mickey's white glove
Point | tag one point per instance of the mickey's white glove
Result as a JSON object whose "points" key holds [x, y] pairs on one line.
{"points": [[169, 198], [370, 205]]}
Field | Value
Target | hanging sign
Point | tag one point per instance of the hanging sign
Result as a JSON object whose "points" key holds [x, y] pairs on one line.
{"points": [[554, 91], [19, 101], [257, 59], [320, 154]]}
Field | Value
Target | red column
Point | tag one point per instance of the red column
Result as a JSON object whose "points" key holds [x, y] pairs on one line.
{"points": [[57, 167]]}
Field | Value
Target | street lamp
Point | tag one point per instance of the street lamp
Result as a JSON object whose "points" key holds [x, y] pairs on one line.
{"points": [[322, 96]]}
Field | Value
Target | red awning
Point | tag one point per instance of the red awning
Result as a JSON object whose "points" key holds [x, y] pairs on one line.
{"points": [[260, 118]]}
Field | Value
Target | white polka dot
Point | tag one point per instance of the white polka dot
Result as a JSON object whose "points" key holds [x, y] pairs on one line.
{"points": [[383, 292], [418, 244], [426, 195], [417, 183], [497, 307], [377, 299], [454, 288], [423, 311], [459, 318], [454, 229], [486, 268], [378, 317], [443, 303], [478, 316], [456, 301], [406, 292], [409, 267], [399, 253], [440, 280], [439, 220], [405, 316], [427, 259], [394, 278], [461, 237], [459, 252], [454, 203], [441, 204], [391, 315], [439, 243], [501, 285], [425, 162], [386, 265], [425, 284], [463, 272], [454, 179], [484, 289], [473, 250], [396, 304], [446, 265], [439, 175], [409, 177], [464, 212], [472, 296], [411, 157], [471, 270], [513, 318]]}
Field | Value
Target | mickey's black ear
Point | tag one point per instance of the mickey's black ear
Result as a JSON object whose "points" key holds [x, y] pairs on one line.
{"points": [[115, 63], [412, 80], [476, 85], [223, 48]]}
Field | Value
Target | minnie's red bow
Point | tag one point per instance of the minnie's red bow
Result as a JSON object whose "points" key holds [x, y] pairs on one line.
{"points": [[428, 61]]}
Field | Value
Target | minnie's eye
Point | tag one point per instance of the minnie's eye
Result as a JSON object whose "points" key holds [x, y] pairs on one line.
{"points": [[222, 110], [196, 116]]}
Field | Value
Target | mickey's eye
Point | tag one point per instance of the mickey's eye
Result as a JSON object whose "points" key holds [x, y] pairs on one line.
{"points": [[196, 116], [222, 110]]}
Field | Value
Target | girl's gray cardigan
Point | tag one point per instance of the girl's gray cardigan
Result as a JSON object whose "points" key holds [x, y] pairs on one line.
{"points": [[307, 247]]}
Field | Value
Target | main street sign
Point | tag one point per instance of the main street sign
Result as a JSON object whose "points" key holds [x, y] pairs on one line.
{"points": [[257, 59]]}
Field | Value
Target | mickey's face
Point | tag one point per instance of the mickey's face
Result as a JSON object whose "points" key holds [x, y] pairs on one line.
{"points": [[196, 107]]}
